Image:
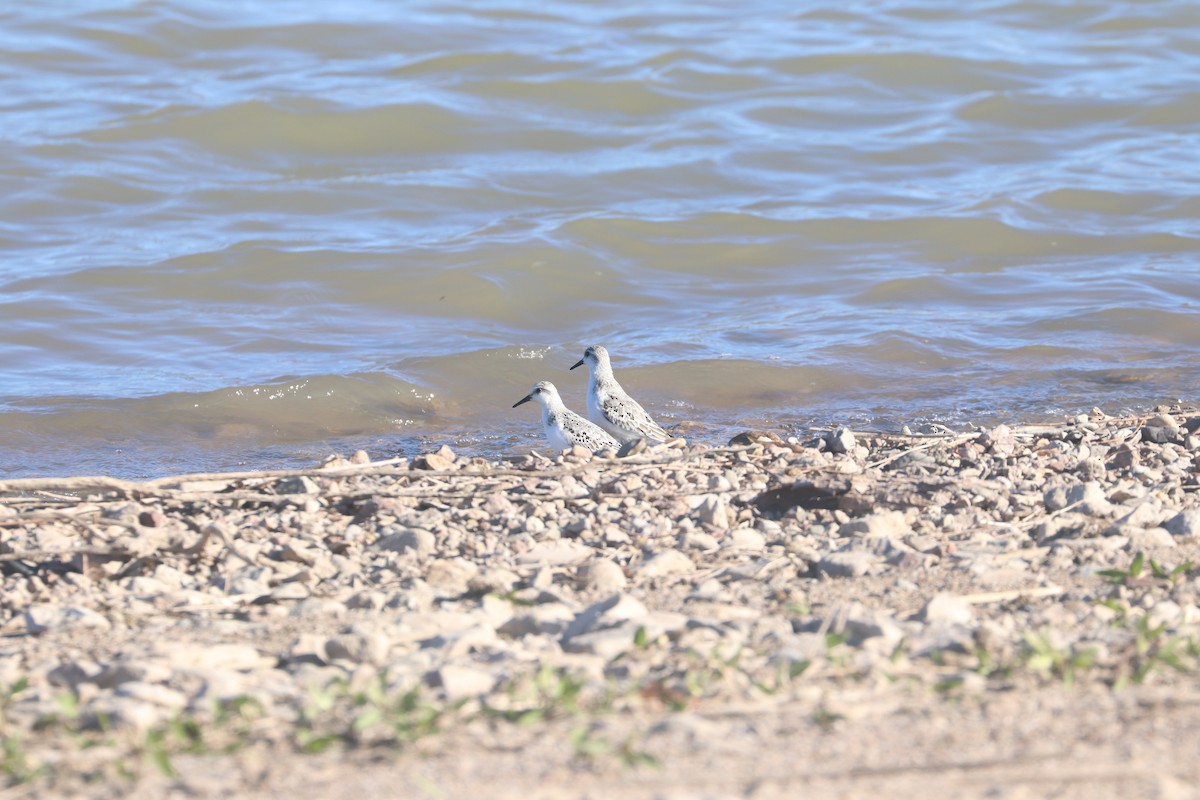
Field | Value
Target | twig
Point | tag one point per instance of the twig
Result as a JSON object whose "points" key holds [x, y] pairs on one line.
{"points": [[1013, 594]]}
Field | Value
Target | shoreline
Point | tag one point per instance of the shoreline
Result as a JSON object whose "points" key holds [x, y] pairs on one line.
{"points": [[879, 612]]}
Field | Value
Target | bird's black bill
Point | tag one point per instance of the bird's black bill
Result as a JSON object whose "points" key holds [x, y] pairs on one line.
{"points": [[578, 363], [524, 399]]}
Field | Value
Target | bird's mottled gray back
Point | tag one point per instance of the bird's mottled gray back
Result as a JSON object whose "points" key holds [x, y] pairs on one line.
{"points": [[562, 426], [610, 407]]}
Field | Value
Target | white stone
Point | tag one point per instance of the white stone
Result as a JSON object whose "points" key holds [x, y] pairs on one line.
{"points": [[1186, 523], [840, 441], [944, 607], [462, 681], [603, 575], [606, 613], [848, 563], [153, 693], [42, 617], [881, 524], [560, 552], [665, 564], [744, 539], [415, 540]]}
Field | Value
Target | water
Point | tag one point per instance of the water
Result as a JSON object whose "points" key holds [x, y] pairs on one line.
{"points": [[247, 235]]}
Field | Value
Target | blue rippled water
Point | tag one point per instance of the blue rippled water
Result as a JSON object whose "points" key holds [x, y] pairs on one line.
{"points": [[248, 235]]}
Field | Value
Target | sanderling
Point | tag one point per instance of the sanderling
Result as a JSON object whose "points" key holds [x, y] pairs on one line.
{"points": [[609, 407], [564, 428]]}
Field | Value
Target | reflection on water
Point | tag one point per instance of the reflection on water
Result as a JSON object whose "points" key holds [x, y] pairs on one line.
{"points": [[248, 236]]}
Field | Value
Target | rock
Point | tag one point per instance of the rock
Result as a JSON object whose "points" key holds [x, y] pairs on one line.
{"points": [[840, 441], [697, 540], [1091, 469], [434, 461], [1125, 456], [1147, 514], [498, 504], [557, 553], [367, 599], [607, 643], [493, 580], [755, 437], [71, 674], [152, 518], [1090, 499], [882, 524], [1147, 538], [307, 648], [998, 440], [550, 619], [848, 563], [419, 541], [602, 575], [1185, 524], [42, 617], [359, 647], [291, 591], [461, 681], [666, 564], [147, 670], [948, 608], [744, 539], [942, 637], [213, 656], [859, 623], [297, 485], [1161, 429], [711, 509], [1165, 612], [606, 613], [154, 694], [450, 577]]}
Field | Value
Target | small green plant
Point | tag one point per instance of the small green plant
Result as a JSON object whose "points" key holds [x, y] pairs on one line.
{"points": [[1171, 575], [14, 761], [1063, 663], [548, 694], [1158, 573], [338, 713], [1151, 649], [1124, 576]]}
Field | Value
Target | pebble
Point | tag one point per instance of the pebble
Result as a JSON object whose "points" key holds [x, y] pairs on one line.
{"points": [[849, 563], [602, 575], [669, 563], [840, 440], [1185, 524], [297, 485], [948, 608], [43, 617], [416, 540], [460, 681], [883, 525]]}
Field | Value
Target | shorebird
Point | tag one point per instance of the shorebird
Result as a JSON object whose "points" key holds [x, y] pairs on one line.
{"points": [[563, 427], [609, 407]]}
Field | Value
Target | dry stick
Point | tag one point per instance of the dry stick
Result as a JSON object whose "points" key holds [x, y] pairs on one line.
{"points": [[1013, 594], [40, 555], [951, 440]]}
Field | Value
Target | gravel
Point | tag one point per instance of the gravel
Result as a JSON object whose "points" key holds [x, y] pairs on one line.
{"points": [[339, 603]]}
